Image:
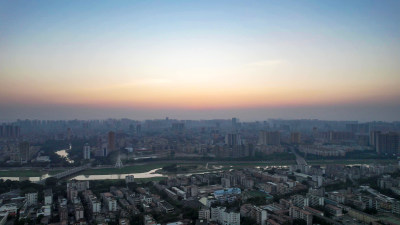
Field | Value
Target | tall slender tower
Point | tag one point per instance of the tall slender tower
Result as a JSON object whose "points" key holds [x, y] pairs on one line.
{"points": [[118, 164], [86, 151], [24, 153], [111, 142]]}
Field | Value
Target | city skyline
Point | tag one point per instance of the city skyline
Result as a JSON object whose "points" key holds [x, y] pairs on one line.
{"points": [[200, 60]]}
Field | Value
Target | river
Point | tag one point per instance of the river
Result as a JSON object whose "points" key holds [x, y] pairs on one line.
{"points": [[148, 174]]}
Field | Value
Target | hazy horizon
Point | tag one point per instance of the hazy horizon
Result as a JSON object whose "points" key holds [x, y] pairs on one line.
{"points": [[200, 60], [245, 115]]}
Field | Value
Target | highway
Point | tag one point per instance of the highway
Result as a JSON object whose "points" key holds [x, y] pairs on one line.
{"points": [[299, 159]]}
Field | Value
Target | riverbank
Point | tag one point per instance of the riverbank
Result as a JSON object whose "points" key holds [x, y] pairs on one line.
{"points": [[27, 173], [140, 168], [190, 167], [198, 167]]}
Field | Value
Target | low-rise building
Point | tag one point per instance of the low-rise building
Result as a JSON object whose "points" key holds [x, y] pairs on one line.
{"points": [[129, 179], [31, 198], [333, 210], [79, 212], [165, 207], [223, 216], [8, 209], [204, 214], [364, 217], [227, 195], [44, 211], [149, 220], [300, 201], [48, 197], [109, 201], [297, 213]]}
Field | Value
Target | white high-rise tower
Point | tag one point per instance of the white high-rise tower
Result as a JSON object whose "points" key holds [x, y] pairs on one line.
{"points": [[118, 164], [86, 151]]}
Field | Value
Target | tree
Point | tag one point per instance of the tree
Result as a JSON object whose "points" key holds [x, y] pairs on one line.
{"points": [[299, 222], [137, 220], [39, 218], [371, 211], [189, 213], [170, 168], [247, 221], [51, 182], [256, 200]]}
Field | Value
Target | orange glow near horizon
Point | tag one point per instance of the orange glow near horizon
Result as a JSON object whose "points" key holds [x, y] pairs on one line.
{"points": [[158, 96], [199, 55]]}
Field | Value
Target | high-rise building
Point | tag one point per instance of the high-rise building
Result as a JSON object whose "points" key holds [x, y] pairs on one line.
{"points": [[295, 137], [388, 143], [111, 141], [269, 138], [373, 136], [341, 136], [235, 122], [69, 133], [86, 151], [233, 139], [139, 129], [362, 128], [10, 131], [24, 152], [17, 131], [178, 127]]}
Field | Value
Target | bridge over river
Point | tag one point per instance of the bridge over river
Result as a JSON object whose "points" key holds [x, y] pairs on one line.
{"points": [[66, 173]]}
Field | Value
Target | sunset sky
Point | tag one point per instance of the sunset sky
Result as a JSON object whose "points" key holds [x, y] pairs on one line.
{"points": [[200, 59]]}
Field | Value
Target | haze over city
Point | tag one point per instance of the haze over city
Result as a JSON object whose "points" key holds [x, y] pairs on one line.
{"points": [[211, 112], [200, 60]]}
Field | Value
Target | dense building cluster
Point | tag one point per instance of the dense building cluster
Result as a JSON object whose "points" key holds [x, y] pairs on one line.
{"points": [[332, 194], [23, 141], [298, 176]]}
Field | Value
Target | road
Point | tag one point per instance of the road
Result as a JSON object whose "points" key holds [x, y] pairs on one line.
{"points": [[299, 159]]}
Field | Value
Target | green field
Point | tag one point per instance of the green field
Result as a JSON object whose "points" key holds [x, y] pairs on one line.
{"points": [[27, 173], [389, 218], [352, 161], [225, 166], [197, 167], [20, 173], [53, 172], [252, 164]]}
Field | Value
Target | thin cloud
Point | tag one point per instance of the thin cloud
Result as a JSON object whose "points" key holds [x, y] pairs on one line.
{"points": [[153, 81], [266, 63]]}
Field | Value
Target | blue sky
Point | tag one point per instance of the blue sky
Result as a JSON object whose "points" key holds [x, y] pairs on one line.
{"points": [[219, 57]]}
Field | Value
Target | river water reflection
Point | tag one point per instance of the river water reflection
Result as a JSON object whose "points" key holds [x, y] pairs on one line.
{"points": [[148, 174]]}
